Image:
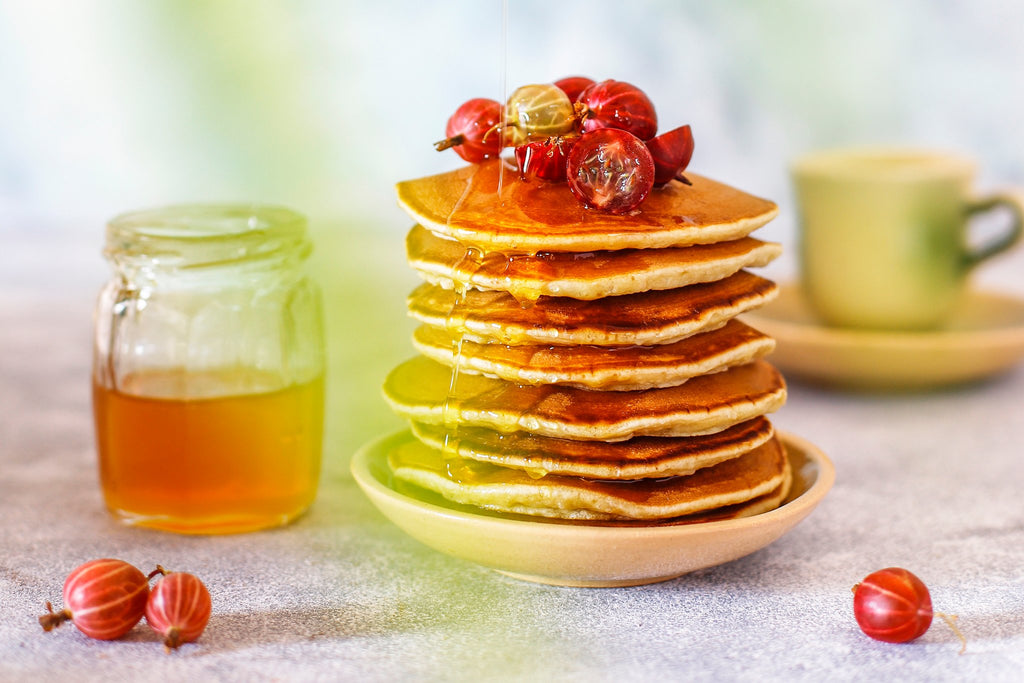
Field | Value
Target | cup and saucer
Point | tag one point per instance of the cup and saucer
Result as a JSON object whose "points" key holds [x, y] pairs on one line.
{"points": [[884, 299]]}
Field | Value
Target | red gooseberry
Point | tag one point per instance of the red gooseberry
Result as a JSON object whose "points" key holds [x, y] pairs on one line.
{"points": [[473, 130], [894, 606], [610, 170], [574, 85], [671, 152], [545, 158], [617, 104], [178, 607], [103, 598]]}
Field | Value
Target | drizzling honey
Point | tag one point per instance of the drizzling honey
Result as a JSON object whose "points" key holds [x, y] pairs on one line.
{"points": [[454, 466], [504, 82]]}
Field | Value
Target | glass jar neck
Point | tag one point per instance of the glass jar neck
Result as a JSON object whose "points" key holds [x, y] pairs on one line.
{"points": [[199, 238]]}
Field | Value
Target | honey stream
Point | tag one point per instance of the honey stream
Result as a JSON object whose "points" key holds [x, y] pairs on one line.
{"points": [[455, 468], [468, 264]]}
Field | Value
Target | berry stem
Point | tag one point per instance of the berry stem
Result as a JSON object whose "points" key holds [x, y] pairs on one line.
{"points": [[159, 570], [950, 620], [581, 113], [51, 619], [173, 639], [448, 143]]}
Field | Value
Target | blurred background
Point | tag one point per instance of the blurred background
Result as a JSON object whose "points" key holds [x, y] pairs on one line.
{"points": [[322, 105], [109, 105]]}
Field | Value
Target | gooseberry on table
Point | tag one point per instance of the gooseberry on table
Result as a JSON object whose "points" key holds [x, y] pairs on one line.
{"points": [[178, 608], [893, 605], [103, 598]]}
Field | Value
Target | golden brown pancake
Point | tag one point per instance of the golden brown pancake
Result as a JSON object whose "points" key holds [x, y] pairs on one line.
{"points": [[642, 457], [587, 276], [751, 475], [619, 368], [534, 216], [579, 365], [754, 506], [645, 318], [421, 390]]}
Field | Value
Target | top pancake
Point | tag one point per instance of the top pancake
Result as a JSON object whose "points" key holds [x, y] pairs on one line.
{"points": [[534, 216]]}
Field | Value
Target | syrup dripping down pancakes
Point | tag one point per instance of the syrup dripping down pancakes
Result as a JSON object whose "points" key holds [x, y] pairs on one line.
{"points": [[580, 365]]}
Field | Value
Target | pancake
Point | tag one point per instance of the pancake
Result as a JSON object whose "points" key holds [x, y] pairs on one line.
{"points": [[589, 275], [645, 318], [751, 475], [535, 216], [754, 506], [600, 367], [579, 365], [642, 457], [424, 391]]}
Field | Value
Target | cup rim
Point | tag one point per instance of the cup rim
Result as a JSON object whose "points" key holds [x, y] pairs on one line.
{"points": [[862, 163]]}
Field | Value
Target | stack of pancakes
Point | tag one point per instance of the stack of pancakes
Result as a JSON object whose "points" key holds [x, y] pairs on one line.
{"points": [[580, 365]]}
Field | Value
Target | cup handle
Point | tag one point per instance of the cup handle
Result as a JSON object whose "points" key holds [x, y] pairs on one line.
{"points": [[1011, 200]]}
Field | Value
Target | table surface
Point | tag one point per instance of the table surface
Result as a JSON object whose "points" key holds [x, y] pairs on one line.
{"points": [[931, 482]]}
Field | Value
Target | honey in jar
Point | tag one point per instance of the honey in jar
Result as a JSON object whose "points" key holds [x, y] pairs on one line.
{"points": [[208, 369]]}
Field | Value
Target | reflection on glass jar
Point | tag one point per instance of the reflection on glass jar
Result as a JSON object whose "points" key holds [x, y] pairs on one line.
{"points": [[208, 369]]}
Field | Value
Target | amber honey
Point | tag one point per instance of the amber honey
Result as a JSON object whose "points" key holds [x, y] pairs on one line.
{"points": [[209, 463]]}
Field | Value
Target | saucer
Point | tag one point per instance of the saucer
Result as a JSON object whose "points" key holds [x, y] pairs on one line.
{"points": [[586, 553], [984, 338]]}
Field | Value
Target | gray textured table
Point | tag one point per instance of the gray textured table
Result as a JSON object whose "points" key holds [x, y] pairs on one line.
{"points": [[929, 482]]}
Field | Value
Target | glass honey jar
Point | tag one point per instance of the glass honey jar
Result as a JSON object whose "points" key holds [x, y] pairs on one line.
{"points": [[208, 369]]}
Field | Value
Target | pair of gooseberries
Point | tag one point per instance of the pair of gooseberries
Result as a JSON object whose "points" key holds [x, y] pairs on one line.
{"points": [[106, 598], [600, 137], [894, 606]]}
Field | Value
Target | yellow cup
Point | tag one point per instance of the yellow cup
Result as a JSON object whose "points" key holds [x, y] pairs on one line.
{"points": [[884, 234]]}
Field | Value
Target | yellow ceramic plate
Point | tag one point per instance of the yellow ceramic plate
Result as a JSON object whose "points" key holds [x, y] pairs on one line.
{"points": [[984, 338], [587, 554]]}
